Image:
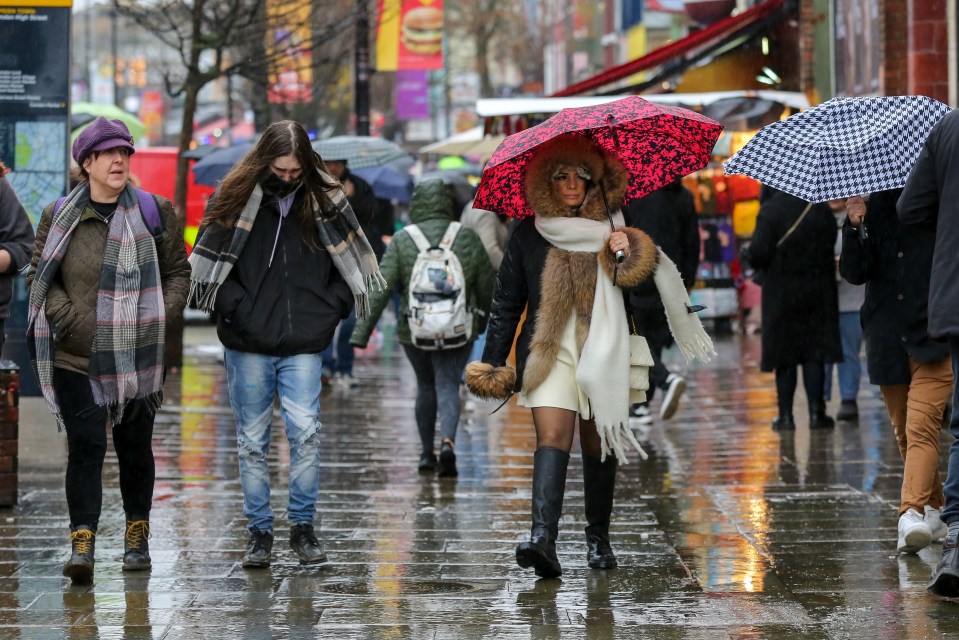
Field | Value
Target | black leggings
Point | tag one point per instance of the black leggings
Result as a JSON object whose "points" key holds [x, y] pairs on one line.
{"points": [[813, 379], [85, 424]]}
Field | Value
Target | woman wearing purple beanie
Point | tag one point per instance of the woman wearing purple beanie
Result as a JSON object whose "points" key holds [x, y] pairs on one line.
{"points": [[109, 266]]}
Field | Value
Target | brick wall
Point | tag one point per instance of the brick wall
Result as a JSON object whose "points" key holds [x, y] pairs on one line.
{"points": [[895, 79], [807, 59], [928, 47]]}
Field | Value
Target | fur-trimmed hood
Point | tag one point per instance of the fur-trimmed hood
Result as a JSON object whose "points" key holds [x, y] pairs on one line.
{"points": [[580, 152]]}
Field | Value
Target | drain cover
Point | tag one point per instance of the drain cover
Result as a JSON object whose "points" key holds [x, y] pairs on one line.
{"points": [[394, 588]]}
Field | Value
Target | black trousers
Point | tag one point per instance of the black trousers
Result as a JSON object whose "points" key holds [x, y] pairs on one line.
{"points": [[86, 426]]}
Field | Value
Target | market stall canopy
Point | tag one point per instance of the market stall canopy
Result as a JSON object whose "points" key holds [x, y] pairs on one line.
{"points": [[471, 142]]}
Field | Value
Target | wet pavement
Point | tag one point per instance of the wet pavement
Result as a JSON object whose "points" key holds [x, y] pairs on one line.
{"points": [[729, 530]]}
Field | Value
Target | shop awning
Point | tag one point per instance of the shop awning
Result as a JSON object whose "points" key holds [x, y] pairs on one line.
{"points": [[692, 46]]}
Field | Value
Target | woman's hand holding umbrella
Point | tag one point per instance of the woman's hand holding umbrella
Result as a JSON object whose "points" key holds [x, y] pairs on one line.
{"points": [[618, 241], [856, 211]]}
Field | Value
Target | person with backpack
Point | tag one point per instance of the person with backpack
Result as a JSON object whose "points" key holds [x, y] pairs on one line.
{"points": [[445, 281], [109, 268], [281, 260]]}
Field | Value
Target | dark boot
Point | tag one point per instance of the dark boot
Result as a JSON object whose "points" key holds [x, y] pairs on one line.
{"points": [[136, 549], [549, 486], [784, 423], [599, 481], [79, 568], [945, 578], [818, 418], [304, 544]]}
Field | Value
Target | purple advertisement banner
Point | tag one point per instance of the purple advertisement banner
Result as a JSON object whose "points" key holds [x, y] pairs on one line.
{"points": [[412, 95]]}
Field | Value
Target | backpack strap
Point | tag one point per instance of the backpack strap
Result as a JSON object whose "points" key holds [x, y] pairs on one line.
{"points": [[418, 237], [447, 241], [148, 209]]}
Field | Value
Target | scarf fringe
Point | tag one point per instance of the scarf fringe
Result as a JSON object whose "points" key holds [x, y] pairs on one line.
{"points": [[202, 295], [617, 440], [374, 282], [116, 410], [687, 328]]}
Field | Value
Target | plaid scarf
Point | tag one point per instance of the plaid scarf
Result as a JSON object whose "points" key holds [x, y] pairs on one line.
{"points": [[126, 360], [218, 249]]}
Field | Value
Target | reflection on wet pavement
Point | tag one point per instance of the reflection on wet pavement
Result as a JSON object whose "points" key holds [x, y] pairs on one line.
{"points": [[729, 530]]}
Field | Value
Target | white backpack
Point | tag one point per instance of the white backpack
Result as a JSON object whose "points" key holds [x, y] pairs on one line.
{"points": [[437, 312]]}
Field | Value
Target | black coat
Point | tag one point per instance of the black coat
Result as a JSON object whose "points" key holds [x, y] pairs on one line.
{"points": [[668, 215], [16, 236], [286, 308], [894, 261], [800, 307], [931, 199]]}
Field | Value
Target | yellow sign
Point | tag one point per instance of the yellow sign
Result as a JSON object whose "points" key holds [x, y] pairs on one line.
{"points": [[36, 3]]}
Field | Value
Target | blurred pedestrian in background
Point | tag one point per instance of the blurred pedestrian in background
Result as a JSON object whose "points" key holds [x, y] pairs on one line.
{"points": [[282, 260], [338, 357], [668, 215], [16, 244], [438, 370], [573, 351], [930, 200], [793, 247], [851, 297], [913, 372], [493, 230], [109, 267]]}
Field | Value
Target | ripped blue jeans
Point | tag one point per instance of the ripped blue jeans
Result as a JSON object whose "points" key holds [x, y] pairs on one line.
{"points": [[253, 380]]}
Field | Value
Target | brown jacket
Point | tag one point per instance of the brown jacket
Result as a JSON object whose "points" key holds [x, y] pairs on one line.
{"points": [[72, 300]]}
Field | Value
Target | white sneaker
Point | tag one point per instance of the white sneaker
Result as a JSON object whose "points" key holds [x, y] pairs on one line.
{"points": [[640, 413], [914, 533], [676, 386], [938, 528]]}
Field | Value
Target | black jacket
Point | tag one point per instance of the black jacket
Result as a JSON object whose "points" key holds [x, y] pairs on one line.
{"points": [[894, 261], [800, 307], [668, 215], [16, 236], [286, 308], [931, 199]]}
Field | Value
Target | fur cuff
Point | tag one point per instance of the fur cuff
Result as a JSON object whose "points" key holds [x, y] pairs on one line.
{"points": [[638, 266], [489, 382]]}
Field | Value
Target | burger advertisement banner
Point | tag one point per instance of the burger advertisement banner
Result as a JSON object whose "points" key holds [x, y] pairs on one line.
{"points": [[410, 35]]}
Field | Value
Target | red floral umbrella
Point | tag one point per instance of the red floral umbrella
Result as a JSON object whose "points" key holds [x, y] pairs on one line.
{"points": [[656, 143]]}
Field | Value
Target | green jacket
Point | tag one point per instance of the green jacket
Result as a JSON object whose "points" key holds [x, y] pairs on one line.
{"points": [[431, 209]]}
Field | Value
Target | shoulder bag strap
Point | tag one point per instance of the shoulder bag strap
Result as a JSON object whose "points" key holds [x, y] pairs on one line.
{"points": [[795, 224]]}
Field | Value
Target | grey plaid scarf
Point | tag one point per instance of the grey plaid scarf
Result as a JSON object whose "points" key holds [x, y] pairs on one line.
{"points": [[126, 361], [218, 249]]}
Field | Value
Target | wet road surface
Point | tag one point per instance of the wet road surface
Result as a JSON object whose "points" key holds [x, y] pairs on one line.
{"points": [[729, 530]]}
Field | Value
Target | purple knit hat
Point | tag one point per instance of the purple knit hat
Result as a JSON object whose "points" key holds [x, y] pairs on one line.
{"points": [[100, 135]]}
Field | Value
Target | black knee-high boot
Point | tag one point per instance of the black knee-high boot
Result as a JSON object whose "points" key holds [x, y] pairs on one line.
{"points": [[549, 487], [599, 481]]}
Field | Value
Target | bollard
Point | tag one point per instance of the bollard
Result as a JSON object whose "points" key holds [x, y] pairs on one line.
{"points": [[9, 431]]}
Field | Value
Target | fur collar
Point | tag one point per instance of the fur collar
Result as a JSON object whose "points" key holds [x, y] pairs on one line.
{"points": [[575, 150]]}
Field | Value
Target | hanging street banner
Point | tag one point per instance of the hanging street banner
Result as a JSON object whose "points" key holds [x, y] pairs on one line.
{"points": [[34, 99], [409, 35]]}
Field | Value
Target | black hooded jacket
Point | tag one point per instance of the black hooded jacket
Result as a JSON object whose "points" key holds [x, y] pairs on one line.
{"points": [[284, 307]]}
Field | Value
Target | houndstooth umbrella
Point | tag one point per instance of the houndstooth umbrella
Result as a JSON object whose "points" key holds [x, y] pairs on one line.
{"points": [[359, 151], [841, 148]]}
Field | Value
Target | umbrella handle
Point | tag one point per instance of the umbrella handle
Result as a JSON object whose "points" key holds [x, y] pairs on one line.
{"points": [[620, 255]]}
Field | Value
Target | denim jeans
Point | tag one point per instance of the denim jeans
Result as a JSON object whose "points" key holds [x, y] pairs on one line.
{"points": [[86, 425], [253, 380], [338, 356], [950, 513], [850, 369], [438, 376]]}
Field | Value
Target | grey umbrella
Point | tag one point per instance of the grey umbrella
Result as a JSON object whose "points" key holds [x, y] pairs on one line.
{"points": [[841, 148], [359, 151]]}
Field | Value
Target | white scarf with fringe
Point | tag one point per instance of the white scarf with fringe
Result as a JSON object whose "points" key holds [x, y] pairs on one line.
{"points": [[603, 369]]}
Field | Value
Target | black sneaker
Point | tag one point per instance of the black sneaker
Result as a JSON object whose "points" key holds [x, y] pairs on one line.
{"points": [[304, 544], [136, 549], [79, 568], [447, 464], [427, 462], [258, 550], [848, 411]]}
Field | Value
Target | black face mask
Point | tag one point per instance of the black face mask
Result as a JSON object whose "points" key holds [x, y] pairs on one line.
{"points": [[278, 186]]}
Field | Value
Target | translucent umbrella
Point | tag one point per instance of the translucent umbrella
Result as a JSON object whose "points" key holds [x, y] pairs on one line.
{"points": [[83, 113], [359, 151]]}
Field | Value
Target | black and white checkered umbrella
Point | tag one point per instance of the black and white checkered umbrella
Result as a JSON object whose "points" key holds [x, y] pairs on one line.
{"points": [[359, 151], [841, 148]]}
